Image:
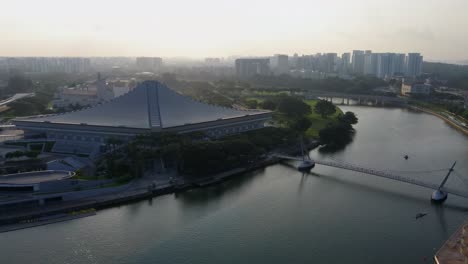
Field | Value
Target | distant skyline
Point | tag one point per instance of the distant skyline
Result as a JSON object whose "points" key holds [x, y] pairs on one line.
{"points": [[210, 28]]}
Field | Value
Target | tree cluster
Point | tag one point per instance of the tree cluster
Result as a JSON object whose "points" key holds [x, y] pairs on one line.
{"points": [[455, 75], [359, 84], [19, 153], [340, 133], [325, 108]]}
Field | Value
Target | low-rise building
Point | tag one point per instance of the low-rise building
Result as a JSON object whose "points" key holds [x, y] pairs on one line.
{"points": [[415, 89], [92, 93]]}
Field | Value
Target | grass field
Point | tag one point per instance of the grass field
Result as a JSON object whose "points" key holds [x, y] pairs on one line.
{"points": [[317, 121], [259, 100], [271, 93]]}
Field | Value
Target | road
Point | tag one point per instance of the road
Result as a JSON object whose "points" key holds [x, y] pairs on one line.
{"points": [[16, 97]]}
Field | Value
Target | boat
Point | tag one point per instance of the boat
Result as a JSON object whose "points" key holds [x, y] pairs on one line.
{"points": [[406, 157], [419, 215]]}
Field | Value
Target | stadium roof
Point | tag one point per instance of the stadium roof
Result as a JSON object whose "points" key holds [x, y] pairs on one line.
{"points": [[150, 105]]}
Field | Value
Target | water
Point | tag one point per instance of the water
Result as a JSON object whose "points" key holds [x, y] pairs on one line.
{"points": [[278, 215]]}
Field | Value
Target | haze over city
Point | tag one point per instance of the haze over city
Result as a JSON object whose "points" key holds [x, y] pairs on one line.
{"points": [[224, 28], [234, 131]]}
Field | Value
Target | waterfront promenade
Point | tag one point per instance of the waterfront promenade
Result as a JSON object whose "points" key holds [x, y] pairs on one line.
{"points": [[146, 187], [452, 250], [451, 121]]}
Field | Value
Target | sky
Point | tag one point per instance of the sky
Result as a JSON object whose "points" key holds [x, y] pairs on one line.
{"points": [[221, 28]]}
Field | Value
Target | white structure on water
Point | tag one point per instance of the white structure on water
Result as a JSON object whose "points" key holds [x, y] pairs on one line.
{"points": [[150, 107]]}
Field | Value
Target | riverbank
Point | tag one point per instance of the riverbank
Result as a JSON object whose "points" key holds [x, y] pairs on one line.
{"points": [[451, 122], [134, 195], [45, 221]]}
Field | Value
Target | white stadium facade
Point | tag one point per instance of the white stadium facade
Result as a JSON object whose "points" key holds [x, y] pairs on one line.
{"points": [[149, 108]]}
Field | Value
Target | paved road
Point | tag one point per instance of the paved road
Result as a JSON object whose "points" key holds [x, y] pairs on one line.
{"points": [[31, 178], [15, 97]]}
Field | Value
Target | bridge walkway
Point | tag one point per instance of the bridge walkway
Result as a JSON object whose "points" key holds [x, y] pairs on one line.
{"points": [[382, 174]]}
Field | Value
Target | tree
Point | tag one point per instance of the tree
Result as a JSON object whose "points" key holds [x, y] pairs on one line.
{"points": [[301, 125], [251, 104], [349, 117], [268, 104], [324, 108], [19, 84], [336, 134], [293, 107]]}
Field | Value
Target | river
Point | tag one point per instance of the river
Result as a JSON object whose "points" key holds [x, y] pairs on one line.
{"points": [[278, 215]]}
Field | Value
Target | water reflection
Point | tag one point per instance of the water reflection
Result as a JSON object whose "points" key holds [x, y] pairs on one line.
{"points": [[216, 191], [362, 186], [333, 149]]}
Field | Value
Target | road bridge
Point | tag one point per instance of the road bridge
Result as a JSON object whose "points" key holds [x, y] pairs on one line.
{"points": [[360, 98], [16, 97]]}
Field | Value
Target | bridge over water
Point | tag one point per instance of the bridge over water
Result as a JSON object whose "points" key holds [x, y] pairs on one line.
{"points": [[384, 174], [360, 98]]}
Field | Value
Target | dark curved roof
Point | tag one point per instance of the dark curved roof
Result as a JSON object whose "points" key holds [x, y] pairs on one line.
{"points": [[150, 105]]}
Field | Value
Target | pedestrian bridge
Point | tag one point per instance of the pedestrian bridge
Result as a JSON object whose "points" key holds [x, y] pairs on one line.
{"points": [[383, 174]]}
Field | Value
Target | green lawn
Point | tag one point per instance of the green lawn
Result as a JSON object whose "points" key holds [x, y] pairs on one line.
{"points": [[317, 121], [270, 93], [259, 100]]}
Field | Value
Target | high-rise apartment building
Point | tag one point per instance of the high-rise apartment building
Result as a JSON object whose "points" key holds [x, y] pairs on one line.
{"points": [[383, 65], [345, 62], [370, 63], [329, 60], [279, 64], [249, 67], [48, 64], [397, 64], [358, 61], [149, 63], [413, 65]]}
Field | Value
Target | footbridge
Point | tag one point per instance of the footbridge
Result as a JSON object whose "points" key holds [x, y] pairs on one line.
{"points": [[384, 174]]}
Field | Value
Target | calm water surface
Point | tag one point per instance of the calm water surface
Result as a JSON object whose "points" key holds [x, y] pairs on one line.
{"points": [[278, 215]]}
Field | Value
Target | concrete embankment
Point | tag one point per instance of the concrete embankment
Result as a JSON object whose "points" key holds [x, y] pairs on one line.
{"points": [[116, 199], [100, 202], [44, 221], [448, 120]]}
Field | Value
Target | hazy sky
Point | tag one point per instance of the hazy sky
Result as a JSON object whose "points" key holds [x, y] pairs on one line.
{"points": [[198, 28]]}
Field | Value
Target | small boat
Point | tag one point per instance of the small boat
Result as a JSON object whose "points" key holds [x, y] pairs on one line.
{"points": [[419, 215], [406, 157]]}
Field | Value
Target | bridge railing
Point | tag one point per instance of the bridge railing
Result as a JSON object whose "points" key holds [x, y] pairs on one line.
{"points": [[383, 174]]}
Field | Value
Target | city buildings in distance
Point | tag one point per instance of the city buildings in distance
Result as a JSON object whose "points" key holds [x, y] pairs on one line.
{"points": [[150, 64], [320, 65]]}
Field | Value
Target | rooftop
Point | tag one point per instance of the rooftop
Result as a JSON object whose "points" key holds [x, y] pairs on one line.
{"points": [[150, 105], [33, 177]]}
